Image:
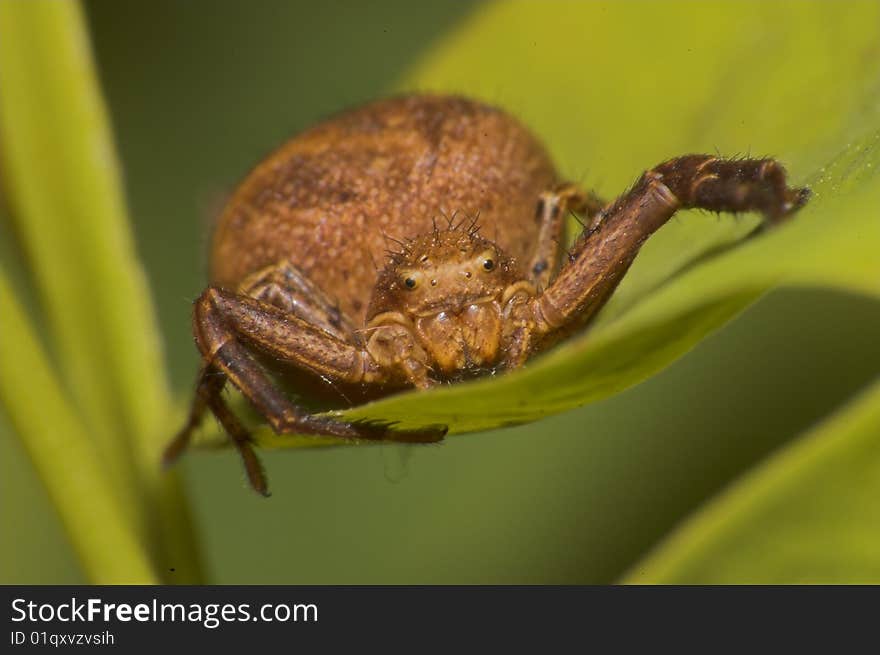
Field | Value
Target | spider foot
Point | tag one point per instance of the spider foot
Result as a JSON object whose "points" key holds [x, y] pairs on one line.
{"points": [[379, 430], [253, 467], [793, 199]]}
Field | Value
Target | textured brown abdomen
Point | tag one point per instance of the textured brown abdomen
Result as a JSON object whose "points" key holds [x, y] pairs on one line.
{"points": [[325, 198]]}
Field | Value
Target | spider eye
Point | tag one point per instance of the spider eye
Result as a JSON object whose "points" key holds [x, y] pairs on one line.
{"points": [[488, 264], [410, 283]]}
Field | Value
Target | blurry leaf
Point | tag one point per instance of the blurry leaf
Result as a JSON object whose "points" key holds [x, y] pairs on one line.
{"points": [[731, 77], [65, 194], [99, 521], [63, 180], [663, 79], [807, 515]]}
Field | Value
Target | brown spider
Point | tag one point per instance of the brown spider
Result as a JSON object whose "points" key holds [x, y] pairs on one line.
{"points": [[295, 287]]}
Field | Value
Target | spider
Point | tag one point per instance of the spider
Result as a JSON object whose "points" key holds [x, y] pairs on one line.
{"points": [[297, 289]]}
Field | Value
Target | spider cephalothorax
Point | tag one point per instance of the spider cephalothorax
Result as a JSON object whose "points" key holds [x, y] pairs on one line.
{"points": [[294, 280], [448, 290]]}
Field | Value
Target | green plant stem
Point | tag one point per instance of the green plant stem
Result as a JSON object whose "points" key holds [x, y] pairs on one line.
{"points": [[47, 122], [98, 522], [62, 177]]}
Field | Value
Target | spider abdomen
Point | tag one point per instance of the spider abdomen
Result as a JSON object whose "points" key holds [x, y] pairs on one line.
{"points": [[334, 199]]}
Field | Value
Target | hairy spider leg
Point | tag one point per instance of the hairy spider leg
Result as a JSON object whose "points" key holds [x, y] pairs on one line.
{"points": [[208, 389], [285, 286], [224, 322], [600, 259], [552, 211], [279, 313], [208, 383]]}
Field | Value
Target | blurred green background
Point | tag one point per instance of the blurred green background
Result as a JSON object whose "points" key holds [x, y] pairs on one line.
{"points": [[200, 91]]}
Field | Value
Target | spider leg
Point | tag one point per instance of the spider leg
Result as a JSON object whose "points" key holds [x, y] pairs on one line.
{"points": [[208, 397], [242, 441], [226, 325], [286, 287], [278, 312], [552, 211], [209, 384], [600, 259]]}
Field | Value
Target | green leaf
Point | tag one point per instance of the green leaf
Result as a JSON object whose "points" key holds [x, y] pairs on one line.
{"points": [[793, 79], [807, 515], [99, 521], [63, 177], [60, 172]]}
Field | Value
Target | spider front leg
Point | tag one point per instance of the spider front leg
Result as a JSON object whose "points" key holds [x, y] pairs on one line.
{"points": [[224, 322], [552, 210], [600, 258], [228, 325], [284, 286]]}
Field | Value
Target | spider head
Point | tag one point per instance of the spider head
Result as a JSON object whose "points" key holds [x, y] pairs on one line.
{"points": [[447, 288]]}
